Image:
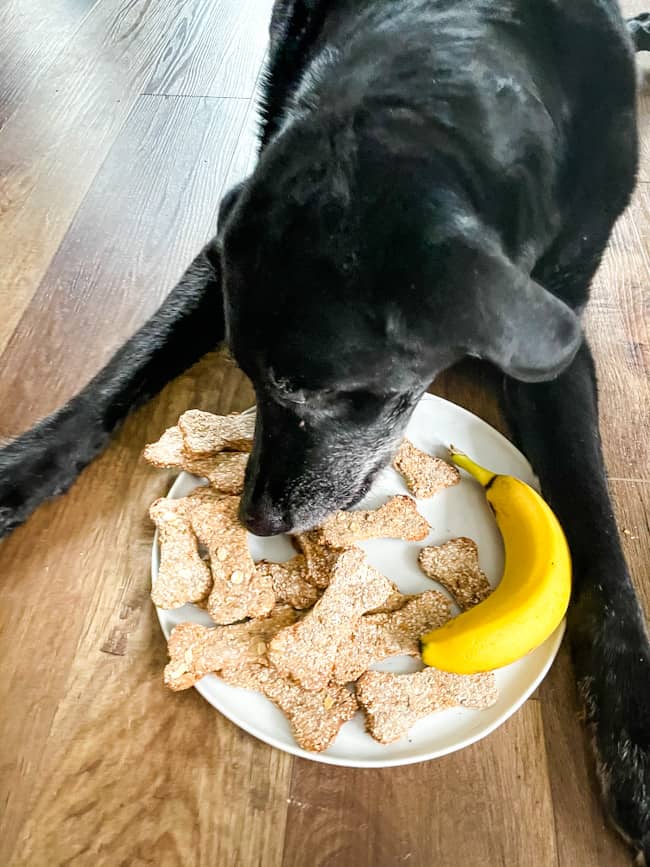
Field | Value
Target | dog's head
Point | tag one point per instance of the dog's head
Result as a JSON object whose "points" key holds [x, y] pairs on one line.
{"points": [[348, 287]]}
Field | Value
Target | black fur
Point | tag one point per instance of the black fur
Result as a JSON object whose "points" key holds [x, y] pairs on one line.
{"points": [[46, 460], [437, 178], [640, 31]]}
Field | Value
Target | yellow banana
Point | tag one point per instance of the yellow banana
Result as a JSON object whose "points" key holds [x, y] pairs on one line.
{"points": [[533, 595]]}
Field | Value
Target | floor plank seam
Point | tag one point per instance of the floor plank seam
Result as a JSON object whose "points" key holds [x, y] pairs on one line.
{"points": [[192, 95], [100, 165]]}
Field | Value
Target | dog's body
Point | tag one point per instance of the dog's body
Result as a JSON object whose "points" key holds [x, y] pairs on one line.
{"points": [[437, 178]]}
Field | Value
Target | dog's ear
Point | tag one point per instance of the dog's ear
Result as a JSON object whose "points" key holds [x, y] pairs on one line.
{"points": [[521, 327]]}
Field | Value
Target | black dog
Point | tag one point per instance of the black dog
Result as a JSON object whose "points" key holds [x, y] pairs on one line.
{"points": [[438, 178]]}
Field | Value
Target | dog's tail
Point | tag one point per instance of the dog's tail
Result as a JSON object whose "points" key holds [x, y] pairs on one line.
{"points": [[45, 461]]}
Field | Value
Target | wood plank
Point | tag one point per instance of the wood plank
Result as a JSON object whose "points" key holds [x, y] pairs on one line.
{"points": [[32, 33], [487, 805], [52, 147], [246, 153], [215, 49], [632, 507], [151, 208], [583, 836], [128, 234], [131, 773], [618, 323], [96, 743]]}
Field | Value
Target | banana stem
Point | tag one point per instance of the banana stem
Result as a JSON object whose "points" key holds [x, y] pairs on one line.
{"points": [[466, 463]]}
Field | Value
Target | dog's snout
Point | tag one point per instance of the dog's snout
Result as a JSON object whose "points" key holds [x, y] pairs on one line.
{"points": [[262, 517], [259, 510], [262, 520]]}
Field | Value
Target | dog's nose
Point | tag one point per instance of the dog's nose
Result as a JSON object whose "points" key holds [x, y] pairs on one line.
{"points": [[266, 525], [262, 519]]}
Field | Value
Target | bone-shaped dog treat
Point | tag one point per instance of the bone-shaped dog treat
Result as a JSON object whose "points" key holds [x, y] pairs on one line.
{"points": [[455, 566], [165, 506], [378, 636], [395, 702], [225, 471], [320, 558], [167, 451], [290, 582], [206, 434], [396, 519], [182, 575], [307, 650], [424, 474], [239, 590], [315, 717], [195, 651]]}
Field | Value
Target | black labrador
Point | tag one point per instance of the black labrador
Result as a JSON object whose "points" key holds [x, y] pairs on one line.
{"points": [[437, 179]]}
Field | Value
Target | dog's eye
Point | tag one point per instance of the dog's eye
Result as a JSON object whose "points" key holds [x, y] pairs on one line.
{"points": [[285, 390], [358, 399]]}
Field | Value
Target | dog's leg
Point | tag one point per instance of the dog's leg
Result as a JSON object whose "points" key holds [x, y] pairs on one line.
{"points": [[44, 461], [639, 28], [556, 424]]}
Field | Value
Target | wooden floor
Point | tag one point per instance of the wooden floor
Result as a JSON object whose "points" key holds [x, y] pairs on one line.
{"points": [[121, 122]]}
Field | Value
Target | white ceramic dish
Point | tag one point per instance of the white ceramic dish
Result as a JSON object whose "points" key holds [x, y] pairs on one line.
{"points": [[458, 511]]}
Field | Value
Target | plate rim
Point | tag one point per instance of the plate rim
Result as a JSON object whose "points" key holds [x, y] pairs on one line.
{"points": [[202, 686]]}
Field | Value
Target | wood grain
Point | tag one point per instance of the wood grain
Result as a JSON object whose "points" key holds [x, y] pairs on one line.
{"points": [[106, 194], [216, 49], [618, 325], [247, 148], [52, 146], [31, 35], [632, 508], [490, 804], [108, 767], [169, 810], [151, 208], [582, 833]]}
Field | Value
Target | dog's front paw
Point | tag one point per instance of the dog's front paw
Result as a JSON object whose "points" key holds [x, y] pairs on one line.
{"points": [[617, 709], [10, 518], [15, 490], [43, 462]]}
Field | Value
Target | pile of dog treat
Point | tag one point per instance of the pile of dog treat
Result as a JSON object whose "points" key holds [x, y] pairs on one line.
{"points": [[306, 632]]}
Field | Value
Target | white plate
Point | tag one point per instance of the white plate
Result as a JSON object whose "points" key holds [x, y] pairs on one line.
{"points": [[458, 511]]}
